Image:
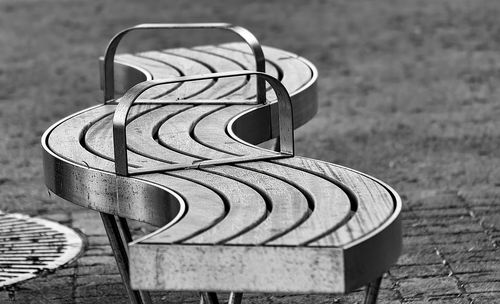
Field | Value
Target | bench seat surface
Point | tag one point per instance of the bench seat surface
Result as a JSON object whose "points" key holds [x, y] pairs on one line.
{"points": [[287, 225]]}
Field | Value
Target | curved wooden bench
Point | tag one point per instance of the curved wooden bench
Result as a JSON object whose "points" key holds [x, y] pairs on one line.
{"points": [[282, 224]]}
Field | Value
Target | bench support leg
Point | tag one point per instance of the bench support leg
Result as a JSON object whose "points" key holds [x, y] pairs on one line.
{"points": [[119, 236], [235, 298], [372, 291], [211, 298]]}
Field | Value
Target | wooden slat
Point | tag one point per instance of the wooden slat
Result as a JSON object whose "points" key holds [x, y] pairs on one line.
{"points": [[211, 131], [186, 67], [98, 139], [141, 131], [246, 208], [237, 268], [157, 69], [331, 206], [289, 205], [175, 133], [213, 64], [205, 208], [295, 72], [247, 62], [65, 139], [375, 204]]}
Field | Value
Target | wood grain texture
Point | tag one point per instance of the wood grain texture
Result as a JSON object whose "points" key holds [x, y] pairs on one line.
{"points": [[374, 203], [329, 204], [289, 207], [237, 268], [157, 69], [212, 131], [247, 62], [245, 207], [206, 208]]}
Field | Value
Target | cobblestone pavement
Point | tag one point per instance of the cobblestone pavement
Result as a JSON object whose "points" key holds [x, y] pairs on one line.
{"points": [[451, 255]]}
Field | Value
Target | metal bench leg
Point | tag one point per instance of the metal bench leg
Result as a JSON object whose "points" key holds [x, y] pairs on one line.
{"points": [[235, 298], [372, 291], [119, 236], [209, 298]]}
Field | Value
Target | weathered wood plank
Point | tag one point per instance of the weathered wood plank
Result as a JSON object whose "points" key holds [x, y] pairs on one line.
{"points": [[289, 205], [98, 139], [64, 140], [205, 208], [211, 131], [247, 62], [186, 67], [211, 64], [237, 268], [157, 69], [143, 130], [374, 203], [246, 207], [175, 133], [329, 203]]}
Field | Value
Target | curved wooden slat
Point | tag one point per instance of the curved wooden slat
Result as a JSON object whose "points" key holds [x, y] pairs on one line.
{"points": [[289, 205], [246, 208], [375, 204], [211, 132], [175, 133], [157, 69], [331, 206], [97, 138], [247, 63], [206, 208], [143, 130], [215, 89], [64, 140], [185, 66]]}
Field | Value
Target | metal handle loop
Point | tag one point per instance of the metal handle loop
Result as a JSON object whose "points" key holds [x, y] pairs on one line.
{"points": [[126, 101], [248, 37]]}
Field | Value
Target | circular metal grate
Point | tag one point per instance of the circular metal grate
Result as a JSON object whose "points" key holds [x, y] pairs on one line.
{"points": [[30, 246]]}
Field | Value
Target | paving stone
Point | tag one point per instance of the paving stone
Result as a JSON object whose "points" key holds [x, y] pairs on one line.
{"points": [[88, 260], [85, 280], [419, 271], [479, 287], [486, 298], [99, 250], [419, 214], [454, 300], [476, 255], [98, 269], [417, 256], [98, 240], [477, 267], [62, 218], [435, 200], [47, 289], [100, 290], [89, 222], [102, 300], [427, 287]]}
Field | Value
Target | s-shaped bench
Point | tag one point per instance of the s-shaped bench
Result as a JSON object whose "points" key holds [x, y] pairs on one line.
{"points": [[179, 152]]}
